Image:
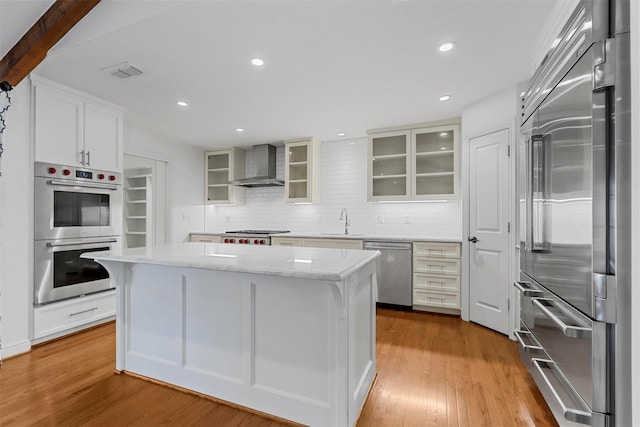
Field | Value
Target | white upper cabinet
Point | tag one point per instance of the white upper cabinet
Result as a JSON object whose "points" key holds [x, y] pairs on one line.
{"points": [[389, 166], [301, 171], [413, 164], [102, 137], [76, 130], [435, 162], [222, 166]]}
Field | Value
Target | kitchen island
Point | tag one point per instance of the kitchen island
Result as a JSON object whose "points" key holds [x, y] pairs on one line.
{"points": [[284, 331]]}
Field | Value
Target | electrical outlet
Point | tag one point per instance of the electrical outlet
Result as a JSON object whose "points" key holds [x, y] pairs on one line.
{"points": [[405, 219], [380, 219], [227, 217], [186, 217]]}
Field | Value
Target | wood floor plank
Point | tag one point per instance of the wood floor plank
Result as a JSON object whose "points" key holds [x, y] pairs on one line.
{"points": [[433, 370]]}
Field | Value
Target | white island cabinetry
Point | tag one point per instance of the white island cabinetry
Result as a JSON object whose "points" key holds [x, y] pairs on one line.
{"points": [[284, 331]]}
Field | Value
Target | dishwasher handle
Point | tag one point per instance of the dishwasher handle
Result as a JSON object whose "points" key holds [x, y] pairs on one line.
{"points": [[387, 246]]}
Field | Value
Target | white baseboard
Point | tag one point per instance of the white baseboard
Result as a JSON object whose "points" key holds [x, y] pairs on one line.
{"points": [[15, 349]]}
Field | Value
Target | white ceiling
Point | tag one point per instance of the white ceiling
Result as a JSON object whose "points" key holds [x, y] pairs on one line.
{"points": [[330, 66]]}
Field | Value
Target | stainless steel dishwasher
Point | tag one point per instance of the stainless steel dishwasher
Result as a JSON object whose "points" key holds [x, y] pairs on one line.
{"points": [[394, 276]]}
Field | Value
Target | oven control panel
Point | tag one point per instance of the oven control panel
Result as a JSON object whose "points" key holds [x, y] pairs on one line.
{"points": [[48, 170]]}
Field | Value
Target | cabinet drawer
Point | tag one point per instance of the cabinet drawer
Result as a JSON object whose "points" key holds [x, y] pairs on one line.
{"points": [[286, 241], [445, 300], [435, 249], [205, 238], [432, 282], [436, 265], [57, 317]]}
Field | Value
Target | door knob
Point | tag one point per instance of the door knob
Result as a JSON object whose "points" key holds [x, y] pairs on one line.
{"points": [[473, 239]]}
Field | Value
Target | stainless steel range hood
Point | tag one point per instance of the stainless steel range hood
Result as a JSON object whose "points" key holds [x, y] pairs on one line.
{"points": [[264, 161]]}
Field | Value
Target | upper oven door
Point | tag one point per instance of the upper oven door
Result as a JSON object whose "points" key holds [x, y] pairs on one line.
{"points": [[72, 209]]}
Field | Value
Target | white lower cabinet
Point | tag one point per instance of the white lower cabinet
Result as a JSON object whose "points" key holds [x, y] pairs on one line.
{"points": [[317, 243], [56, 319], [436, 277], [332, 243], [286, 241], [206, 238]]}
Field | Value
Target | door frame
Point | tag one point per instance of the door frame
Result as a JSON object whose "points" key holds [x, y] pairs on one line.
{"points": [[512, 250]]}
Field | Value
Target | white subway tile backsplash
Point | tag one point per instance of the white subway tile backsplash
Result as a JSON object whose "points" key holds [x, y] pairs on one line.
{"points": [[343, 184]]}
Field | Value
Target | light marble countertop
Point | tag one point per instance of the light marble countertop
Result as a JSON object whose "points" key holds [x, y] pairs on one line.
{"points": [[355, 236], [308, 263]]}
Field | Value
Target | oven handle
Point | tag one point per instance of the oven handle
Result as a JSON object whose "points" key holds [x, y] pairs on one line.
{"points": [[82, 184], [567, 330], [79, 242], [570, 414]]}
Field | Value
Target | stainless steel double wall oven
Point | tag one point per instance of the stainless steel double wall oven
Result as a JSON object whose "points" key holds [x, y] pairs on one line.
{"points": [[77, 210], [574, 183]]}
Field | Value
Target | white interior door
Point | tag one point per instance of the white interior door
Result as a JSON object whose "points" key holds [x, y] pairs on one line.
{"points": [[488, 230]]}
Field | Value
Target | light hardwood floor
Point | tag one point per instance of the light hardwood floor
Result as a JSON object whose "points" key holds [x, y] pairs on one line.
{"points": [[432, 371]]}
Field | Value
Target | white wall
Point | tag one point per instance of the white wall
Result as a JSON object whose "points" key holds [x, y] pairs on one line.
{"points": [[185, 179], [16, 235], [343, 184]]}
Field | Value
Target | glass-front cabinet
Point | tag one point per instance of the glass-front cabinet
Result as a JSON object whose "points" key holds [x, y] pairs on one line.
{"points": [[435, 162], [301, 185], [414, 164], [221, 167], [389, 166]]}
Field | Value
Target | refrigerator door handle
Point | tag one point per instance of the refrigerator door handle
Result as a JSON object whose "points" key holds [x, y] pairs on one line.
{"points": [[571, 331], [540, 183]]}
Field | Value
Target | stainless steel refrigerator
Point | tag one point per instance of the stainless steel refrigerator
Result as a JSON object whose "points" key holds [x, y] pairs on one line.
{"points": [[574, 207]]}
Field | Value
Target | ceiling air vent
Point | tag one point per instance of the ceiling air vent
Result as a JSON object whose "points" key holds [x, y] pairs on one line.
{"points": [[123, 71]]}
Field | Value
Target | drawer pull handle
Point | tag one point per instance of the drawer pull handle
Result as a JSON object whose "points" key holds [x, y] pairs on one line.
{"points": [[526, 290], [571, 331], [441, 284], [572, 414], [83, 311], [527, 347], [435, 267]]}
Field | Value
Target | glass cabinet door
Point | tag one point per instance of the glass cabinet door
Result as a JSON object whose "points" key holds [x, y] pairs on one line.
{"points": [[297, 173], [435, 162], [218, 168], [389, 166]]}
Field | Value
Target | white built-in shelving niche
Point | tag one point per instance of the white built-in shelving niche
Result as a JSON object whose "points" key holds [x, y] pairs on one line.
{"points": [[138, 207]]}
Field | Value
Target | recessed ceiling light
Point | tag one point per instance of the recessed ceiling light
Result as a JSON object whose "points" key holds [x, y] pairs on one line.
{"points": [[341, 134], [445, 98], [257, 62], [443, 134], [239, 130], [446, 47], [182, 103]]}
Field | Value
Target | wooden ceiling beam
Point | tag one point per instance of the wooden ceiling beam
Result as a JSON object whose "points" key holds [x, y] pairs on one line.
{"points": [[32, 48]]}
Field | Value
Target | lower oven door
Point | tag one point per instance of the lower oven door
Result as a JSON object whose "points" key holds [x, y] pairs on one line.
{"points": [[60, 273]]}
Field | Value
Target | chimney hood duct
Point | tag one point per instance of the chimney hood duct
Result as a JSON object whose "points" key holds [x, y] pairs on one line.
{"points": [[264, 161]]}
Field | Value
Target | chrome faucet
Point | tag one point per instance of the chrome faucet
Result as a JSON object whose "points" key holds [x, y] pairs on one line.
{"points": [[345, 216]]}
